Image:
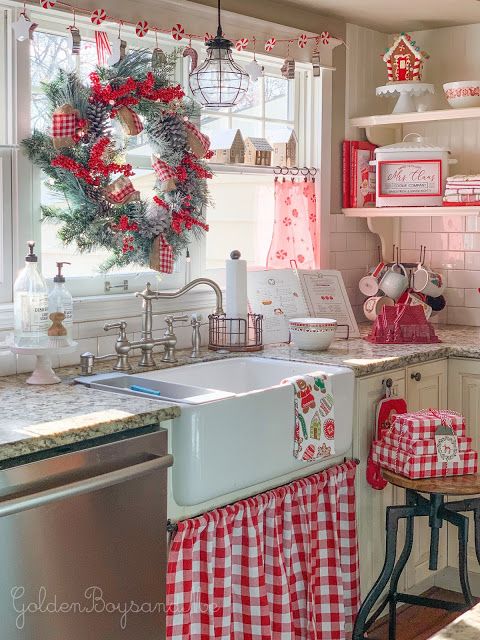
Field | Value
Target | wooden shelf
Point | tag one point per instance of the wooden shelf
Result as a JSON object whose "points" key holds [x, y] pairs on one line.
{"points": [[395, 119], [394, 212]]}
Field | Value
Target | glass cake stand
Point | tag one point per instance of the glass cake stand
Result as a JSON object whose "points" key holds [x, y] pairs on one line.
{"points": [[43, 372]]}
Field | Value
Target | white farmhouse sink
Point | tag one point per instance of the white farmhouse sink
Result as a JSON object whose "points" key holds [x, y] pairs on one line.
{"points": [[236, 427]]}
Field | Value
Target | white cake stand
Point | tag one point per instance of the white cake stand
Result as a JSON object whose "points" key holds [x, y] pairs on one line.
{"points": [[43, 373], [407, 93]]}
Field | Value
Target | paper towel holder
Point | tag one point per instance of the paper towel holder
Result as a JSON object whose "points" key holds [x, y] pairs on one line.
{"points": [[235, 334]]}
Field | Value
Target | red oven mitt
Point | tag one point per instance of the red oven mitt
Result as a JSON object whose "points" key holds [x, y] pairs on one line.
{"points": [[387, 409]]}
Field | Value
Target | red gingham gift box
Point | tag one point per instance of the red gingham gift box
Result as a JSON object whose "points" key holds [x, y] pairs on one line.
{"points": [[425, 447], [422, 425], [423, 466]]}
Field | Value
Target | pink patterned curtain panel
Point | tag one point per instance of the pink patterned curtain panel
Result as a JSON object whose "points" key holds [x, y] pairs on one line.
{"points": [[295, 228], [280, 566]]}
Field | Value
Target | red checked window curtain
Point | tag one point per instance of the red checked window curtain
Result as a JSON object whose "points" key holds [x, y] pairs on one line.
{"points": [[281, 566]]}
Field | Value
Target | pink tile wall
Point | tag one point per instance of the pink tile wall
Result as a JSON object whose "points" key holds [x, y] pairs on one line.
{"points": [[453, 247]]}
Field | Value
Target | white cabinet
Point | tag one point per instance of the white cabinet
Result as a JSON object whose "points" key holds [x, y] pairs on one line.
{"points": [[464, 397], [424, 386]]}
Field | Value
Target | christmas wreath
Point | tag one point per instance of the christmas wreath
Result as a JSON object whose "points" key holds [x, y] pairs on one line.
{"points": [[84, 159]]}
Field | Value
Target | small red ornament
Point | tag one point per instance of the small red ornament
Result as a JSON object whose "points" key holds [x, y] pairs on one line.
{"points": [[270, 44], [302, 41], [98, 16], [241, 44], [178, 32], [142, 28], [325, 37], [48, 4]]}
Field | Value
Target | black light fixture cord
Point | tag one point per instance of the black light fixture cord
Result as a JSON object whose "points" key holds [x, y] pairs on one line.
{"points": [[219, 29]]}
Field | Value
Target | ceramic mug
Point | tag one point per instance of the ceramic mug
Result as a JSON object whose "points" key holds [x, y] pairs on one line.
{"points": [[395, 281], [430, 283], [373, 306], [369, 285], [415, 300]]}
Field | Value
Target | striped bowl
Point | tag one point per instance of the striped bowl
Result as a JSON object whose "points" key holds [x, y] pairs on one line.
{"points": [[312, 334]]}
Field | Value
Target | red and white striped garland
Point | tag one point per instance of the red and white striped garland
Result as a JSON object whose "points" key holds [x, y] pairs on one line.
{"points": [[98, 16], [178, 31], [142, 28], [48, 4]]}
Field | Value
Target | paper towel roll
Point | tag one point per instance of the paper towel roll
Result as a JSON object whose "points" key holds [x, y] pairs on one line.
{"points": [[236, 289]]}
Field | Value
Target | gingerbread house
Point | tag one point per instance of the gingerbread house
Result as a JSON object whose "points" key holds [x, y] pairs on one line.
{"points": [[227, 146], [404, 60], [258, 152], [284, 144]]}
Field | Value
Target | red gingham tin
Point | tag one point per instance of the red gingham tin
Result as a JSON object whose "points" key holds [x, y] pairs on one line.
{"points": [[425, 447], [422, 425]]}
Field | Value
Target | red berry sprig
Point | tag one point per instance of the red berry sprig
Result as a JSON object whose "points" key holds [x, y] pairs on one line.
{"points": [[79, 171]]}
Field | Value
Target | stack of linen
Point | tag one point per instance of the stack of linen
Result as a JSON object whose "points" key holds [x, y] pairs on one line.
{"points": [[462, 190]]}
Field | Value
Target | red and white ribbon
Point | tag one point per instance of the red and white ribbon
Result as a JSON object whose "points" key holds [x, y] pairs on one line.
{"points": [[48, 4], [98, 16], [142, 28], [103, 47], [241, 44], [163, 170], [270, 43], [325, 37], [302, 41], [178, 31]]}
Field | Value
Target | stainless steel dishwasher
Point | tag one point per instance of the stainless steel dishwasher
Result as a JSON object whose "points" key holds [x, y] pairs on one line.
{"points": [[83, 543]]}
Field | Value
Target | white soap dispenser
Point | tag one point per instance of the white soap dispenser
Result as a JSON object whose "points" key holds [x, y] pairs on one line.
{"points": [[60, 300], [30, 304]]}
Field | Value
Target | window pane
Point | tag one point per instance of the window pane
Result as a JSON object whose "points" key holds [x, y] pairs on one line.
{"points": [[211, 123], [277, 98], [248, 127], [88, 58], [251, 103], [241, 218]]}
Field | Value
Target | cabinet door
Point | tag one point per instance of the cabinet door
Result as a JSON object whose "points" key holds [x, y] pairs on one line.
{"points": [[426, 389], [371, 504], [464, 397]]}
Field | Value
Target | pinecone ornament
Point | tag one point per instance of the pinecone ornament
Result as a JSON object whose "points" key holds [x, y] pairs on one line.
{"points": [[158, 220], [169, 130], [98, 120]]}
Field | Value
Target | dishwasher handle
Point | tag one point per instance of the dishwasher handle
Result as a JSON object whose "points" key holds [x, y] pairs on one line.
{"points": [[79, 487]]}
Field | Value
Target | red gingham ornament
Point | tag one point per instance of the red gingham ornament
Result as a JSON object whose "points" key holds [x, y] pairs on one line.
{"points": [[302, 41], [48, 4], [199, 143], [98, 16], [162, 259], [165, 173], [241, 44], [121, 191], [178, 31], [270, 43], [325, 37], [142, 28]]}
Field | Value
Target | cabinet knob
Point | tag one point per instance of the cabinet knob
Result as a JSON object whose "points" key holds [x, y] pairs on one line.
{"points": [[416, 376]]}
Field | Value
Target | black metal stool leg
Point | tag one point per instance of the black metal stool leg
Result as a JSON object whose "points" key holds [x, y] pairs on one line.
{"points": [[394, 514], [461, 522], [476, 517]]}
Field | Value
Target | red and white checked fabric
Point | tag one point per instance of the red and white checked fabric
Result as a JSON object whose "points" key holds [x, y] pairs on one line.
{"points": [[131, 121], [104, 48], [177, 31], [417, 467], [64, 124], [98, 16], [282, 565], [241, 44], [198, 141], [121, 191], [141, 28], [422, 425], [302, 40], [270, 44], [163, 260], [163, 170], [420, 447], [48, 4]]}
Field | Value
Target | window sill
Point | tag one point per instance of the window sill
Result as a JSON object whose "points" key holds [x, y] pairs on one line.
{"points": [[121, 306]]}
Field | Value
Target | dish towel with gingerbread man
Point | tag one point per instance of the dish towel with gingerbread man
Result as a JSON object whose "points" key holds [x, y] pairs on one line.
{"points": [[314, 435]]}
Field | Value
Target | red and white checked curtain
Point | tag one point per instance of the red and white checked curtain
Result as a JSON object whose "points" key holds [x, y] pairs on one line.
{"points": [[295, 227], [280, 566]]}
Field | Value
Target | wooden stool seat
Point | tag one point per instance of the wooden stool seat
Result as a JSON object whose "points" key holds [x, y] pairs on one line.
{"points": [[448, 486]]}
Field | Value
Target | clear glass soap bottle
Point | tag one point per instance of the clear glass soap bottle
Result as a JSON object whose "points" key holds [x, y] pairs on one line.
{"points": [[30, 304], [60, 300]]}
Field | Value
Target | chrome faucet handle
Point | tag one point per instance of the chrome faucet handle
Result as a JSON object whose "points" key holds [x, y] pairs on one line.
{"points": [[147, 294], [87, 360], [170, 321], [121, 326]]}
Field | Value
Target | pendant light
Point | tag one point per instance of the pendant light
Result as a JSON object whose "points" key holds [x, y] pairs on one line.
{"points": [[219, 81]]}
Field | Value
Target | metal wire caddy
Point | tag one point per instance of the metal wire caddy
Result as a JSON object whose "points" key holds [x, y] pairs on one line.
{"points": [[235, 334]]}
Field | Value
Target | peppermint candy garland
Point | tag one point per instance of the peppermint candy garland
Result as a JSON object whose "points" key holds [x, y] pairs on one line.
{"points": [[325, 37], [178, 32], [241, 44], [302, 41], [98, 16], [142, 28], [48, 4], [270, 43]]}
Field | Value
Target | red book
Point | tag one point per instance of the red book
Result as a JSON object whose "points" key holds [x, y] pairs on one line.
{"points": [[362, 175], [346, 159]]}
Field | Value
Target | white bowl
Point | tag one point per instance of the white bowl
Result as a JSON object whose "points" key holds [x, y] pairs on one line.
{"points": [[462, 94], [312, 334]]}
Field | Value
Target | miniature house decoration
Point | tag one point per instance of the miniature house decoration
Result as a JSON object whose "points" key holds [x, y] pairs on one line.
{"points": [[258, 152], [227, 147], [284, 144], [404, 60]]}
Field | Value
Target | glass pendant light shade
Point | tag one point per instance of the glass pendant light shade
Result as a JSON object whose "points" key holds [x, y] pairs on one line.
{"points": [[219, 81]]}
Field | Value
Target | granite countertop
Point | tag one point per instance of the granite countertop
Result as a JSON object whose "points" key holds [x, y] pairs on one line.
{"points": [[39, 418], [466, 627]]}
